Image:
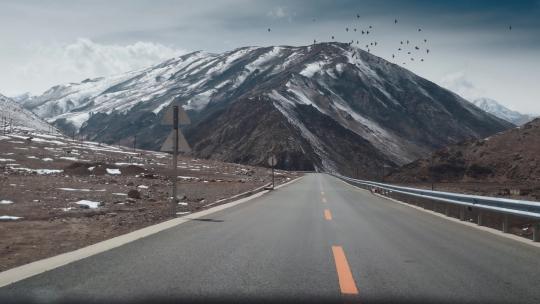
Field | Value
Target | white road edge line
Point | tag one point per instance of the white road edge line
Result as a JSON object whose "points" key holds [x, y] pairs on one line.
{"points": [[457, 221], [19, 273]]}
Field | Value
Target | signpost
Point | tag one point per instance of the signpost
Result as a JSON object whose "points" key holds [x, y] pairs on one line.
{"points": [[272, 162], [175, 142]]}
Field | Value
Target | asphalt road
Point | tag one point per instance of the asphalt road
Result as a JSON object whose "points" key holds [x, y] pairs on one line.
{"points": [[318, 239]]}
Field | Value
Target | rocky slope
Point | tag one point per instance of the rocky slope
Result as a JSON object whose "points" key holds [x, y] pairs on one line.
{"points": [[15, 116], [493, 107], [508, 156], [328, 106]]}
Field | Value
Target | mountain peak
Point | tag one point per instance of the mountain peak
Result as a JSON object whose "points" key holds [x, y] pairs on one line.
{"points": [[495, 108]]}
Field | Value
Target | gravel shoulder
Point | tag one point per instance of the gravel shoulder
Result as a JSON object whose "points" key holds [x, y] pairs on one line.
{"points": [[58, 195]]}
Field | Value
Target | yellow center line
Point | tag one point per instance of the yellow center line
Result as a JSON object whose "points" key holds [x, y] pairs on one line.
{"points": [[345, 277], [327, 215]]}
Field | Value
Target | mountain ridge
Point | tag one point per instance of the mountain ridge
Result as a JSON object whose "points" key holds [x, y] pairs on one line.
{"points": [[391, 112], [496, 108]]}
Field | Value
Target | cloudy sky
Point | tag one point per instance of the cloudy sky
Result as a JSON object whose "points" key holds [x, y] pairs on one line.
{"points": [[472, 49]]}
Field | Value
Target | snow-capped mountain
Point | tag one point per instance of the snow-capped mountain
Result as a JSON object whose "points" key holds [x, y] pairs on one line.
{"points": [[493, 107], [328, 106], [12, 113]]}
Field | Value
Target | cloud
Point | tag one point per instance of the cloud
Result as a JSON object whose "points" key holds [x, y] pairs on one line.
{"points": [[277, 13], [459, 83], [60, 63], [280, 12]]}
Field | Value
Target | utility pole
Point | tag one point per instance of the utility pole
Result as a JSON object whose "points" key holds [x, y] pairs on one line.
{"points": [[175, 155]]}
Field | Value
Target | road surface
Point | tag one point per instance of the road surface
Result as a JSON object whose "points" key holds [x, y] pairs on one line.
{"points": [[316, 239]]}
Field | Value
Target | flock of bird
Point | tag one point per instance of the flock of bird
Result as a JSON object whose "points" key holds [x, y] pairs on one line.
{"points": [[406, 51]]}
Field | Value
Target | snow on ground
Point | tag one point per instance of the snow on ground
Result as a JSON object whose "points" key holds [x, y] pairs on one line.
{"points": [[89, 204], [82, 190], [142, 187], [5, 202], [113, 171], [128, 164], [38, 171], [8, 217], [69, 158], [188, 177], [6, 160]]}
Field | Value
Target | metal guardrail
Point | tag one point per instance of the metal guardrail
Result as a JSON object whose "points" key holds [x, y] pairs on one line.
{"points": [[504, 206]]}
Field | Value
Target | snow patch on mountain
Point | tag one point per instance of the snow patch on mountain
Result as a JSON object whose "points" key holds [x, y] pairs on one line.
{"points": [[20, 117]]}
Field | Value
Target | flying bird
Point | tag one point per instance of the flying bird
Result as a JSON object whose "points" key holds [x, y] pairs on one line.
{"points": [[401, 42], [399, 49], [269, 29], [427, 51], [510, 27], [425, 40], [422, 59], [358, 16], [367, 32], [407, 41], [355, 30], [363, 32], [346, 29], [393, 56], [370, 26], [416, 48], [332, 37], [395, 21], [419, 30]]}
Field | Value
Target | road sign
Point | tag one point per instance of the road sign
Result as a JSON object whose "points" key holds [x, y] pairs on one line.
{"points": [[168, 117], [175, 142], [168, 144], [272, 161]]}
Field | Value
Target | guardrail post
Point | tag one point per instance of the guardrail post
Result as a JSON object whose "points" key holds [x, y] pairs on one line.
{"points": [[505, 226], [536, 232], [480, 217], [447, 209], [461, 213]]}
